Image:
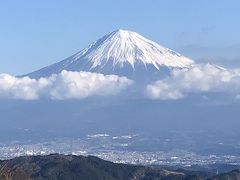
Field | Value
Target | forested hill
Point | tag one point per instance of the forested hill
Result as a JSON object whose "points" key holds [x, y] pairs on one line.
{"points": [[69, 167]]}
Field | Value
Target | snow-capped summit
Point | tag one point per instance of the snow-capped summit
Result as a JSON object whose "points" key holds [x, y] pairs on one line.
{"points": [[118, 50]]}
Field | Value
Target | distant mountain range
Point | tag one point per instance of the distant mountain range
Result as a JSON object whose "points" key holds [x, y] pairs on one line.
{"points": [[119, 52], [69, 167]]}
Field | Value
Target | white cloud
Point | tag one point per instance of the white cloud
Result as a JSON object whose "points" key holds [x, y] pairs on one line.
{"points": [[65, 85], [83, 84], [163, 90], [21, 88], [200, 78]]}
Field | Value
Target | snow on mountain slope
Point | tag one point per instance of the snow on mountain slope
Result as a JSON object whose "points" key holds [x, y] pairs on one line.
{"points": [[118, 50]]}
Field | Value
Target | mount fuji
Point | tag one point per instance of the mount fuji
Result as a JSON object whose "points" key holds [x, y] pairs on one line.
{"points": [[120, 52], [71, 103]]}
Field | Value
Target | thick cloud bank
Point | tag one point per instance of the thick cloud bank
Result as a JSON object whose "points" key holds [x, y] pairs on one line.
{"points": [[200, 78], [66, 85]]}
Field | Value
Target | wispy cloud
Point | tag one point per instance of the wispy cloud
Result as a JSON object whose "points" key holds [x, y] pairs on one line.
{"points": [[66, 85]]}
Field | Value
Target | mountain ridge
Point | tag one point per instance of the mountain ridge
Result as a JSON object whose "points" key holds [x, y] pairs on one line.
{"points": [[57, 166]]}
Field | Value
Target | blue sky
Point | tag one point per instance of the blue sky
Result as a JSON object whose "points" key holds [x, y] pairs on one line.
{"points": [[34, 34]]}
